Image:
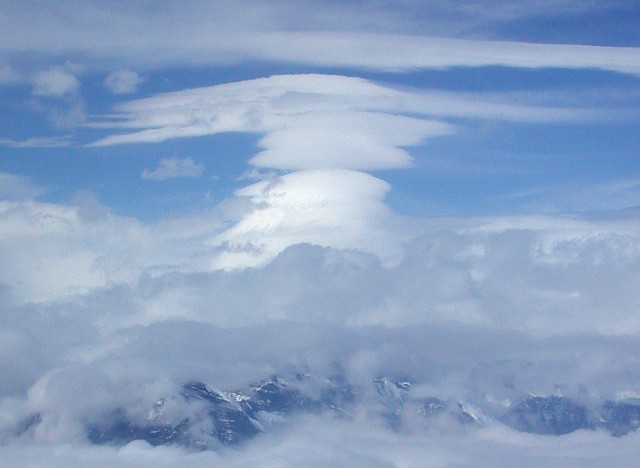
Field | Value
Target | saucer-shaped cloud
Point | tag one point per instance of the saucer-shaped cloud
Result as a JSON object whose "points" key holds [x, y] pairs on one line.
{"points": [[353, 140], [331, 207], [309, 121], [325, 126]]}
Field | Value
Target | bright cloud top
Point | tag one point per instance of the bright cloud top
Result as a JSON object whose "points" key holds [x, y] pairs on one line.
{"points": [[331, 207]]}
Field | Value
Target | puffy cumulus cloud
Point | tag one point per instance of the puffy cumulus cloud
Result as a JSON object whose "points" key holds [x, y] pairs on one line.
{"points": [[537, 274], [53, 250], [482, 311], [174, 168], [102, 314], [56, 93], [332, 207], [540, 274], [14, 187], [123, 81], [55, 82], [543, 275]]}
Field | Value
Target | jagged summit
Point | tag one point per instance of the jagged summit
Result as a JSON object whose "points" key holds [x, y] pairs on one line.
{"points": [[218, 418]]}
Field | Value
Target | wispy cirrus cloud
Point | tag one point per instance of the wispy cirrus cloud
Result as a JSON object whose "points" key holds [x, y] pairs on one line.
{"points": [[37, 142]]}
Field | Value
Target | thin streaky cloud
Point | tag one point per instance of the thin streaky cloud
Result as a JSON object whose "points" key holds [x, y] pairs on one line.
{"points": [[105, 37], [38, 142]]}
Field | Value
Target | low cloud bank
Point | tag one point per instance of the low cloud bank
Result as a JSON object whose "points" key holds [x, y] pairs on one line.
{"points": [[104, 315]]}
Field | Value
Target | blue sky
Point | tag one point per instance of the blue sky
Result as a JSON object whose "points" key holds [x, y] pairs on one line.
{"points": [[55, 89]]}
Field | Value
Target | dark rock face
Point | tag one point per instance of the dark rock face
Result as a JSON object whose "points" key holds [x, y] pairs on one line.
{"points": [[548, 415], [229, 418], [621, 417], [434, 407], [396, 400], [392, 397], [274, 396], [121, 431], [212, 418], [27, 424], [231, 414]]}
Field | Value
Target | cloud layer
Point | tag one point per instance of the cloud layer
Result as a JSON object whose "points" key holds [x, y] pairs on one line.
{"points": [[103, 313], [373, 37], [313, 121]]}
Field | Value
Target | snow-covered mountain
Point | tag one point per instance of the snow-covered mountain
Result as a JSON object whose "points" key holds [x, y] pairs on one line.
{"points": [[217, 418]]}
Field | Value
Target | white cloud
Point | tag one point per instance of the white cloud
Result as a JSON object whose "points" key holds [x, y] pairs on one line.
{"points": [[337, 208], [324, 126], [480, 309], [174, 168], [55, 82], [123, 81], [319, 443], [90, 245], [539, 274], [363, 124], [255, 174], [102, 312], [37, 142], [393, 52], [14, 187], [56, 92], [366, 35]]}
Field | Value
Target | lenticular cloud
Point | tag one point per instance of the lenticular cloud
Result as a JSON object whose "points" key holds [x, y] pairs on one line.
{"points": [[323, 132], [308, 121], [331, 207]]}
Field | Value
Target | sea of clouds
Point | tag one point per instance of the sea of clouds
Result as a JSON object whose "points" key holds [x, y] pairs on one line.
{"points": [[103, 313]]}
